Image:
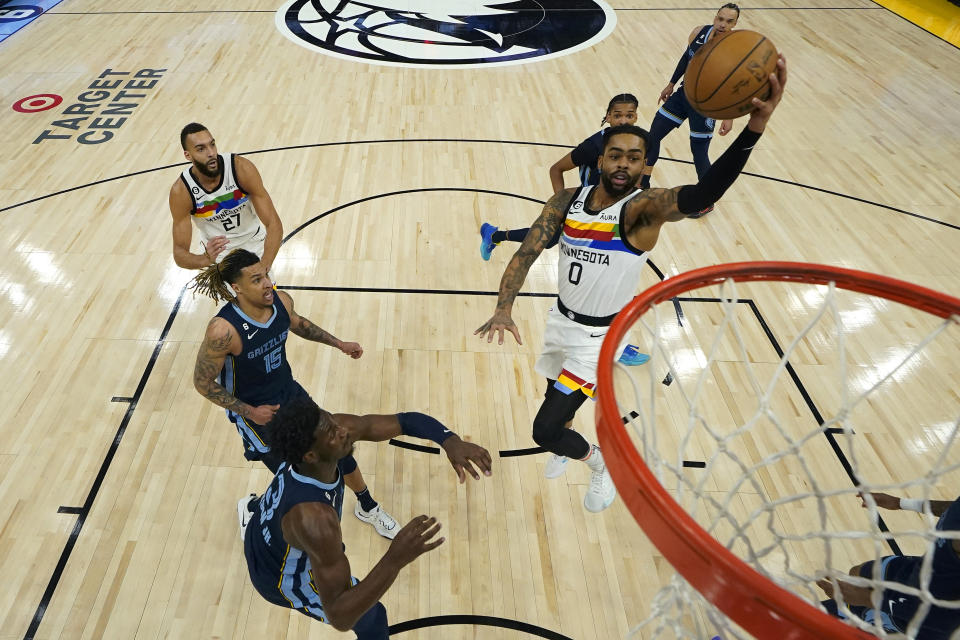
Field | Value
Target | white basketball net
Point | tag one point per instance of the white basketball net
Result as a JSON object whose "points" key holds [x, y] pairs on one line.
{"points": [[774, 490]]}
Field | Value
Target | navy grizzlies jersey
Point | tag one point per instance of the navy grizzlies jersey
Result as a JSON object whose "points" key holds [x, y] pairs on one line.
{"points": [[944, 583], [261, 373], [585, 157], [279, 572], [698, 42]]}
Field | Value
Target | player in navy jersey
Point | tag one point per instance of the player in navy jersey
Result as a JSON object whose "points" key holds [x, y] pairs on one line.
{"points": [[606, 232], [898, 608], [676, 108], [294, 547], [242, 365], [622, 109]]}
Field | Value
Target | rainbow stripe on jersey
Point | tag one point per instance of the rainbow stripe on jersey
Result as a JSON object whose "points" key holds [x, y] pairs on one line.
{"points": [[604, 236], [232, 200], [568, 383]]}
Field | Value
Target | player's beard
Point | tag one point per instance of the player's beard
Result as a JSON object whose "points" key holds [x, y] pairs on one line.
{"points": [[202, 168], [627, 187]]}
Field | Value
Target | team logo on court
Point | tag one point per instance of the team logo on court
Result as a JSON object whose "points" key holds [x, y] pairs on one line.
{"points": [[445, 33]]}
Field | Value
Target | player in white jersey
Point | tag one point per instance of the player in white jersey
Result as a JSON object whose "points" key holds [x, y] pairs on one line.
{"points": [[607, 231], [224, 197]]}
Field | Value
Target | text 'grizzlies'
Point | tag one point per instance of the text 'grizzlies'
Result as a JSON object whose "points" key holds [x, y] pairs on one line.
{"points": [[267, 346]]}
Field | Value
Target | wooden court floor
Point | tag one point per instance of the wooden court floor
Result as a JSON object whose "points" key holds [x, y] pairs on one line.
{"points": [[118, 482]]}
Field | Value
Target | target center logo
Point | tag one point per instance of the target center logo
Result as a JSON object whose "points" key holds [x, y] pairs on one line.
{"points": [[38, 102], [445, 33]]}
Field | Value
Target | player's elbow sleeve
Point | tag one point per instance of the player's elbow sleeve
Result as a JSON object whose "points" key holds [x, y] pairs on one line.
{"points": [[693, 198]]}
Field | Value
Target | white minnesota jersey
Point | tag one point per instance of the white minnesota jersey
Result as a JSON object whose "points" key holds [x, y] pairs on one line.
{"points": [[225, 211], [598, 268]]}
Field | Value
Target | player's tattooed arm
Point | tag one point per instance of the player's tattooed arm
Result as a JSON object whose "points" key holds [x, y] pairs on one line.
{"points": [[544, 229], [647, 211], [306, 329], [653, 207], [213, 351]]}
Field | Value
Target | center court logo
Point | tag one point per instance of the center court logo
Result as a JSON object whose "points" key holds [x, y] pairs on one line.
{"points": [[445, 33]]}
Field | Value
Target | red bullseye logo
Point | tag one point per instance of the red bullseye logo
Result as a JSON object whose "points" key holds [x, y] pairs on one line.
{"points": [[37, 103]]}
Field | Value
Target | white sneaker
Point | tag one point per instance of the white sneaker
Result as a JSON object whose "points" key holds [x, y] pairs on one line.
{"points": [[601, 491], [556, 466], [382, 521], [244, 514]]}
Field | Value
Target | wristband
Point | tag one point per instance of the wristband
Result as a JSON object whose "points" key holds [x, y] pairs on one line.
{"points": [[420, 425], [911, 504]]}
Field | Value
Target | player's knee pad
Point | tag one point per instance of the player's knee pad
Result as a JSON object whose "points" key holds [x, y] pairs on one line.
{"points": [[347, 465], [557, 410], [373, 624], [546, 430]]}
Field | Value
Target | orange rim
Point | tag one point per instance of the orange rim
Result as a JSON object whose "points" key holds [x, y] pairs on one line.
{"points": [[752, 601]]}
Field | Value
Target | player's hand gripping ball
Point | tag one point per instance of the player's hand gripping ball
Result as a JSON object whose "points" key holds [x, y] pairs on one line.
{"points": [[727, 73]]}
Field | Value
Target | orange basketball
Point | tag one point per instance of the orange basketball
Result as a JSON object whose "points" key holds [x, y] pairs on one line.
{"points": [[727, 73]]}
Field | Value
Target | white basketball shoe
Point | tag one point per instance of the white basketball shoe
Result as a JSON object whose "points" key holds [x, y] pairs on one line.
{"points": [[556, 466], [382, 521], [601, 492]]}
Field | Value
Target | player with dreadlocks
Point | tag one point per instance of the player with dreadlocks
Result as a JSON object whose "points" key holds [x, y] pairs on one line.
{"points": [[294, 548], [242, 366]]}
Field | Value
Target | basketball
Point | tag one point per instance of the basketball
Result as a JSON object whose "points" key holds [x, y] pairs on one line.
{"points": [[726, 74]]}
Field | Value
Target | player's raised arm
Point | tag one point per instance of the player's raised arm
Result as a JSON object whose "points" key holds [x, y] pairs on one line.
{"points": [[315, 528], [249, 177], [653, 207], [539, 236], [309, 331]]}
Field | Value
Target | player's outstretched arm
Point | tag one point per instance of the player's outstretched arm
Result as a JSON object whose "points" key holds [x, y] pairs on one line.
{"points": [[853, 595], [249, 177], [653, 207], [894, 503], [315, 528], [465, 457], [221, 339], [305, 329], [539, 236]]}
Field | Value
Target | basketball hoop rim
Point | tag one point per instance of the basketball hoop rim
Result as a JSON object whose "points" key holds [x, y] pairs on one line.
{"points": [[754, 602]]}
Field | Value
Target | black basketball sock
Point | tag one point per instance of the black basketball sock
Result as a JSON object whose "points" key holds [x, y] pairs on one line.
{"points": [[367, 503]]}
